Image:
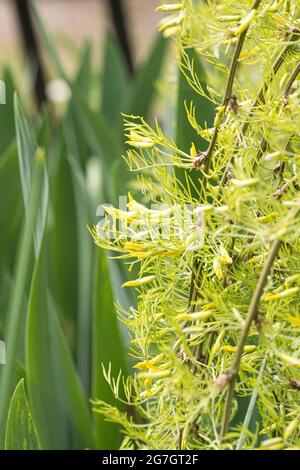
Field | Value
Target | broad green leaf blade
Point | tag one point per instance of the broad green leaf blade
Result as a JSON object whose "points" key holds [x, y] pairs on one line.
{"points": [[21, 277], [142, 93], [20, 431], [85, 259], [58, 407], [108, 348], [77, 143], [26, 151], [63, 258], [115, 82]]}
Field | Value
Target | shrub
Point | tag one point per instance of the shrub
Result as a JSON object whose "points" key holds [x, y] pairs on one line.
{"points": [[215, 335]]}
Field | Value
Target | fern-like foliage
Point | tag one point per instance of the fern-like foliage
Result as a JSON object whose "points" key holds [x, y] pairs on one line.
{"points": [[218, 312]]}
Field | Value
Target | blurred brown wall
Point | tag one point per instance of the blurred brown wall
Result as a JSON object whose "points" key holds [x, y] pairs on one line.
{"points": [[78, 20]]}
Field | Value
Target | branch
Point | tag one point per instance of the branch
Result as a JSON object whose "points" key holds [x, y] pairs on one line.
{"points": [[252, 311]]}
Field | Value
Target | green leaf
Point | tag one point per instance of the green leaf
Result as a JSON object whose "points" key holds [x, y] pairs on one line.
{"points": [[63, 257], [21, 280], [115, 82], [58, 406], [142, 93], [20, 430], [85, 251], [108, 348], [27, 146]]}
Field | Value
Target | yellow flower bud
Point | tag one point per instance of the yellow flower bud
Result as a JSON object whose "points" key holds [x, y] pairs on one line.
{"points": [[248, 348], [170, 7], [271, 443], [244, 183], [193, 316], [193, 151], [171, 22], [229, 18], [140, 141], [290, 429], [224, 256], [293, 361], [281, 295], [217, 267], [139, 282], [217, 346], [159, 374]]}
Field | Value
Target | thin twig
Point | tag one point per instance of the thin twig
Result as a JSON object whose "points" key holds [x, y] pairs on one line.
{"points": [[252, 312]]}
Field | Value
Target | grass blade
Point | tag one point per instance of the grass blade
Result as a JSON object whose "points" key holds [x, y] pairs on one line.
{"points": [[108, 348], [22, 275], [140, 98], [26, 150], [58, 406]]}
